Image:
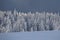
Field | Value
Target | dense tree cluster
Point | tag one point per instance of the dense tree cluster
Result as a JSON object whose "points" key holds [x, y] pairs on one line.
{"points": [[22, 22]]}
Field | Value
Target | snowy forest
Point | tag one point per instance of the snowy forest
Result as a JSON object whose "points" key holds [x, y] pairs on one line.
{"points": [[26, 22]]}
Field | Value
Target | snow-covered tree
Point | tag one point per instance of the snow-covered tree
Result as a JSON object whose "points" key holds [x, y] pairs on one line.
{"points": [[19, 21]]}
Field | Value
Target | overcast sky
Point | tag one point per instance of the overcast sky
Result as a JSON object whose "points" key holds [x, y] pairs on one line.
{"points": [[30, 5]]}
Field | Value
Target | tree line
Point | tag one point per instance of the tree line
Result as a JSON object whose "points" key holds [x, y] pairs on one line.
{"points": [[23, 22]]}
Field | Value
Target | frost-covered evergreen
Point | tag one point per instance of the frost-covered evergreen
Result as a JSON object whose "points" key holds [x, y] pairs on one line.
{"points": [[22, 22]]}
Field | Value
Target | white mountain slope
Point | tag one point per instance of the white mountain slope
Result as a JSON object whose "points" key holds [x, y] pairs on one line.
{"points": [[42, 35]]}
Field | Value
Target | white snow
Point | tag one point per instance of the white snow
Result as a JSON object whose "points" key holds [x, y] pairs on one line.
{"points": [[18, 21], [42, 35]]}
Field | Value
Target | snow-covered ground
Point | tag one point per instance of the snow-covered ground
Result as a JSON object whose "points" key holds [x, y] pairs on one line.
{"points": [[42, 35]]}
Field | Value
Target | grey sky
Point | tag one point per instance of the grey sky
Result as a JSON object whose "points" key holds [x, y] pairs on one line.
{"points": [[31, 5]]}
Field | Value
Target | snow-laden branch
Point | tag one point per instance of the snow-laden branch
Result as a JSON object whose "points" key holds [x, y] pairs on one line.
{"points": [[19, 21]]}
